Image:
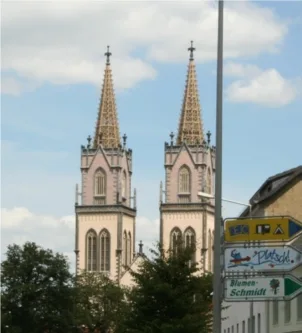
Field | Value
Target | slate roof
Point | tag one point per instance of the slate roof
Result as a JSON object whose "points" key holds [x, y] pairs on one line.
{"points": [[274, 185]]}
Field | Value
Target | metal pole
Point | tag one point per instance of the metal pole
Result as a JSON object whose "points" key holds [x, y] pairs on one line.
{"points": [[252, 326], [236, 202], [217, 297]]}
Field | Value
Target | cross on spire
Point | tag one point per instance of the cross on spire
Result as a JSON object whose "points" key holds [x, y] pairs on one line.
{"points": [[209, 137], [191, 49], [108, 54]]}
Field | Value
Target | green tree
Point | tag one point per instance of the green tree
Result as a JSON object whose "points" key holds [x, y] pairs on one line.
{"points": [[171, 295], [100, 302], [36, 291]]}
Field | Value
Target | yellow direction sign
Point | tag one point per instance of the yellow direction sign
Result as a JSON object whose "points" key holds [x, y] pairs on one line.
{"points": [[261, 229]]}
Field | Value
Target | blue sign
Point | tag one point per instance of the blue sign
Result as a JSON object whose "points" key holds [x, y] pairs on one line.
{"points": [[294, 228], [241, 229]]}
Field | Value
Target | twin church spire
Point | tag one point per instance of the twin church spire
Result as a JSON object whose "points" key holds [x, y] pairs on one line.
{"points": [[107, 127], [190, 128], [106, 213]]}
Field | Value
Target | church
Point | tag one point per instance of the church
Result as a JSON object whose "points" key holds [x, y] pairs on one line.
{"points": [[105, 203]]}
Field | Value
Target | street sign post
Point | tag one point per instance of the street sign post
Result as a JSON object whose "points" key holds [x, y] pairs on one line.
{"points": [[258, 246], [275, 229], [262, 289], [268, 259]]}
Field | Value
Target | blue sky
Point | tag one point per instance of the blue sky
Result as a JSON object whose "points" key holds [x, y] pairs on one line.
{"points": [[51, 79]]}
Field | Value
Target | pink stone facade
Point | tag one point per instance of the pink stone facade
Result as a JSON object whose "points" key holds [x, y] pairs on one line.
{"points": [[98, 222], [194, 213], [114, 163], [106, 211], [203, 225], [116, 214], [201, 163]]}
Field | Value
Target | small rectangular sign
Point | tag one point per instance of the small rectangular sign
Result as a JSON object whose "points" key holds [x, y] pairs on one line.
{"points": [[270, 259], [261, 229], [262, 288]]}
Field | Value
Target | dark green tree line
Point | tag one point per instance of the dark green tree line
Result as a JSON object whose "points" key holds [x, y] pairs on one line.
{"points": [[36, 290], [39, 294]]}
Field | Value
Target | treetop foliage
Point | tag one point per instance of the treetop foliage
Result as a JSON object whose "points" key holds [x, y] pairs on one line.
{"points": [[36, 288], [171, 295], [39, 294]]}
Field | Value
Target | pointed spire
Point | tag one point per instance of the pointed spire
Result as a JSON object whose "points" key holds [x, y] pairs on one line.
{"points": [[190, 128], [107, 126]]}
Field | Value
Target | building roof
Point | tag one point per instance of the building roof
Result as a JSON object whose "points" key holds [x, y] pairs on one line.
{"points": [[274, 185], [138, 256], [190, 128]]}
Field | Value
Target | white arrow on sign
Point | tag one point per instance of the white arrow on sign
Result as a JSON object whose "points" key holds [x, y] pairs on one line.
{"points": [[277, 258]]}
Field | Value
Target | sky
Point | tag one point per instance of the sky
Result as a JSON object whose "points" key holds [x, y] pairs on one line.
{"points": [[51, 75]]}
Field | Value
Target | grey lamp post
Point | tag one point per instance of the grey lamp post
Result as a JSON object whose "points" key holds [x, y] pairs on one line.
{"points": [[218, 182], [210, 196]]}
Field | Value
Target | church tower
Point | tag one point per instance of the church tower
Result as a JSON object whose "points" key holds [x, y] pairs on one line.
{"points": [[189, 169], [105, 215]]}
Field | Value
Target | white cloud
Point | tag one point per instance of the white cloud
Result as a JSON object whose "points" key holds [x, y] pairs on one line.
{"points": [[63, 42], [12, 86], [266, 87], [19, 225], [238, 70]]}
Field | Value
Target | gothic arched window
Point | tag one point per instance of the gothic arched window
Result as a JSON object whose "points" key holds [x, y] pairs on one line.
{"points": [[175, 240], [184, 184], [189, 237], [100, 187], [124, 185], [91, 252], [209, 182], [129, 249], [104, 251], [190, 240], [125, 248], [184, 180]]}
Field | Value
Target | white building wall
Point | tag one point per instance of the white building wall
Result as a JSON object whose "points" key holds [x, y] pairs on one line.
{"points": [[238, 314], [279, 322]]}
